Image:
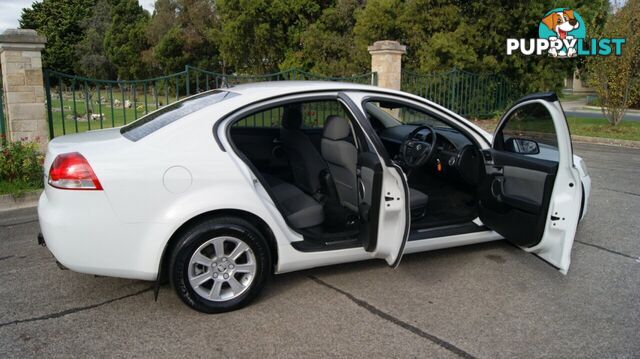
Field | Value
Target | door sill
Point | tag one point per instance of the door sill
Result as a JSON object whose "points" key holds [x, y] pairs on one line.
{"points": [[320, 246], [444, 231]]}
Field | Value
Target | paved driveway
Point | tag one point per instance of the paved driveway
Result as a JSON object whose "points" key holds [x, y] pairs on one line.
{"points": [[484, 301]]}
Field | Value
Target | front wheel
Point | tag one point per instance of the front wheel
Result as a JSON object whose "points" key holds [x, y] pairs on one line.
{"points": [[220, 265]]}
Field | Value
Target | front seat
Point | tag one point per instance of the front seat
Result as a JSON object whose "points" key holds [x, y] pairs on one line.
{"points": [[305, 161], [342, 159]]}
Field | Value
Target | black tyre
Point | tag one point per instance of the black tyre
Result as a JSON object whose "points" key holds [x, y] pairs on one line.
{"points": [[220, 265]]}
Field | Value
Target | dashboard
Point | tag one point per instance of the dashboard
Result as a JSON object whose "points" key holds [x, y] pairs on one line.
{"points": [[457, 155]]}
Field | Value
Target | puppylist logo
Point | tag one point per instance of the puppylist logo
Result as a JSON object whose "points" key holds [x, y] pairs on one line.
{"points": [[562, 34]]}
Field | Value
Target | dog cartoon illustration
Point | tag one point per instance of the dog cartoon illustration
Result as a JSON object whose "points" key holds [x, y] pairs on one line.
{"points": [[561, 22]]}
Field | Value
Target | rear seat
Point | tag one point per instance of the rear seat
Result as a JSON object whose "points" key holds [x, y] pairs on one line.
{"points": [[301, 210]]}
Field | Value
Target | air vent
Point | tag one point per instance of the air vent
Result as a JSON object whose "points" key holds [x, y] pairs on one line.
{"points": [[487, 156]]}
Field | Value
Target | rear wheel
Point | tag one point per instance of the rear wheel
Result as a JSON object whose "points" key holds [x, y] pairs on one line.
{"points": [[220, 265]]}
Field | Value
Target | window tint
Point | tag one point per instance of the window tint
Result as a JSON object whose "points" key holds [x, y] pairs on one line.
{"points": [[390, 114], [529, 131], [171, 113], [314, 115]]}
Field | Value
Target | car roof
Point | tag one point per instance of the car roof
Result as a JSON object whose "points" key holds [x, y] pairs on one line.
{"points": [[275, 88]]}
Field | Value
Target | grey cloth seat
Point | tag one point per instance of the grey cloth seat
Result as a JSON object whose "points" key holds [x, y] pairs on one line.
{"points": [[305, 160], [300, 209], [417, 199], [342, 158]]}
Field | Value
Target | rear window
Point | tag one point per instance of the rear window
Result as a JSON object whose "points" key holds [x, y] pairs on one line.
{"points": [[170, 113]]}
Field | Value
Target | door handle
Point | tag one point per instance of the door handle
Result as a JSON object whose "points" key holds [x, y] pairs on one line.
{"points": [[497, 187], [363, 190]]}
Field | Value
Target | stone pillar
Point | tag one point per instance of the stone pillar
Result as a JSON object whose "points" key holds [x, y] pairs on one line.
{"points": [[21, 64], [386, 61]]}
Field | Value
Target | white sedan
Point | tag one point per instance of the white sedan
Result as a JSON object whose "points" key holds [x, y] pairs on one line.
{"points": [[218, 191]]}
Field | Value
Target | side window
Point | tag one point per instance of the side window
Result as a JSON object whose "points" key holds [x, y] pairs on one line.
{"points": [[267, 118], [390, 114], [529, 131], [314, 115], [409, 115]]}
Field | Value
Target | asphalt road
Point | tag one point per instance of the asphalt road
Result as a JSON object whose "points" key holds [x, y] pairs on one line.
{"points": [[485, 301]]}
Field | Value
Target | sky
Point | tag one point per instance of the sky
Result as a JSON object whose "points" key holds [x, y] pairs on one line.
{"points": [[10, 11]]}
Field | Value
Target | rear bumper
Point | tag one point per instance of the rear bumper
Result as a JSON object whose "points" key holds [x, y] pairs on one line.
{"points": [[82, 232], [41, 242]]}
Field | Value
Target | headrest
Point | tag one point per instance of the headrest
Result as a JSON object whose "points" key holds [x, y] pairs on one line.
{"points": [[292, 118], [336, 128]]}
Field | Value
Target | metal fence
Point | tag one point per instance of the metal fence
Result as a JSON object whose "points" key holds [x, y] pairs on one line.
{"points": [[466, 93], [79, 104]]}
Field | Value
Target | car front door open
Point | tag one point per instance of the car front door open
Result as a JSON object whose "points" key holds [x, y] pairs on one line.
{"points": [[531, 192]]}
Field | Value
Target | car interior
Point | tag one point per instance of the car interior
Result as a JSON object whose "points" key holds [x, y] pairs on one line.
{"points": [[325, 177], [439, 161]]}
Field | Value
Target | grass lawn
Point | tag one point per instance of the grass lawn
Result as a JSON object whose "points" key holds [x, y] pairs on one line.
{"points": [[590, 127], [593, 127], [111, 117], [17, 188], [571, 97]]}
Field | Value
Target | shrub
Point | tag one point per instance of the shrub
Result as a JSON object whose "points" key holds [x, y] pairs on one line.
{"points": [[21, 162], [616, 79]]}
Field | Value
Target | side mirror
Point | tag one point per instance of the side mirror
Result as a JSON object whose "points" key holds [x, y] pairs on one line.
{"points": [[522, 145]]}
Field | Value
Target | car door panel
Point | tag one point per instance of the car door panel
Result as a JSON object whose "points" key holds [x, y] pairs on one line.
{"points": [[524, 186], [391, 191], [370, 197], [512, 159], [514, 196], [532, 200]]}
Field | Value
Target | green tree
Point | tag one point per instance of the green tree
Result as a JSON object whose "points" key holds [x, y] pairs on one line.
{"points": [[60, 21], [92, 60], [469, 35], [616, 79], [184, 32], [327, 46], [257, 35], [126, 39]]}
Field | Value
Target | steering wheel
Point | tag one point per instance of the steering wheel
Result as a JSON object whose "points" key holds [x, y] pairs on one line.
{"points": [[415, 152]]}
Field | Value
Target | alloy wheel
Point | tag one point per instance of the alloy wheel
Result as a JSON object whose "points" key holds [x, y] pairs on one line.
{"points": [[222, 268]]}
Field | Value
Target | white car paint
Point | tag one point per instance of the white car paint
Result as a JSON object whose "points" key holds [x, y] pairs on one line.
{"points": [[123, 230], [557, 240]]}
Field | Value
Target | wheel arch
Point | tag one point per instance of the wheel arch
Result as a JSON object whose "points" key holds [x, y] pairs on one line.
{"points": [[255, 220]]}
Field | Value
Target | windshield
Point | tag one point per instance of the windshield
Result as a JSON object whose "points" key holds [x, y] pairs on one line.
{"points": [[171, 113], [391, 114]]}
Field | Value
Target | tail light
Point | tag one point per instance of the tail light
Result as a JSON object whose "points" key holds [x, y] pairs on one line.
{"points": [[72, 171]]}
